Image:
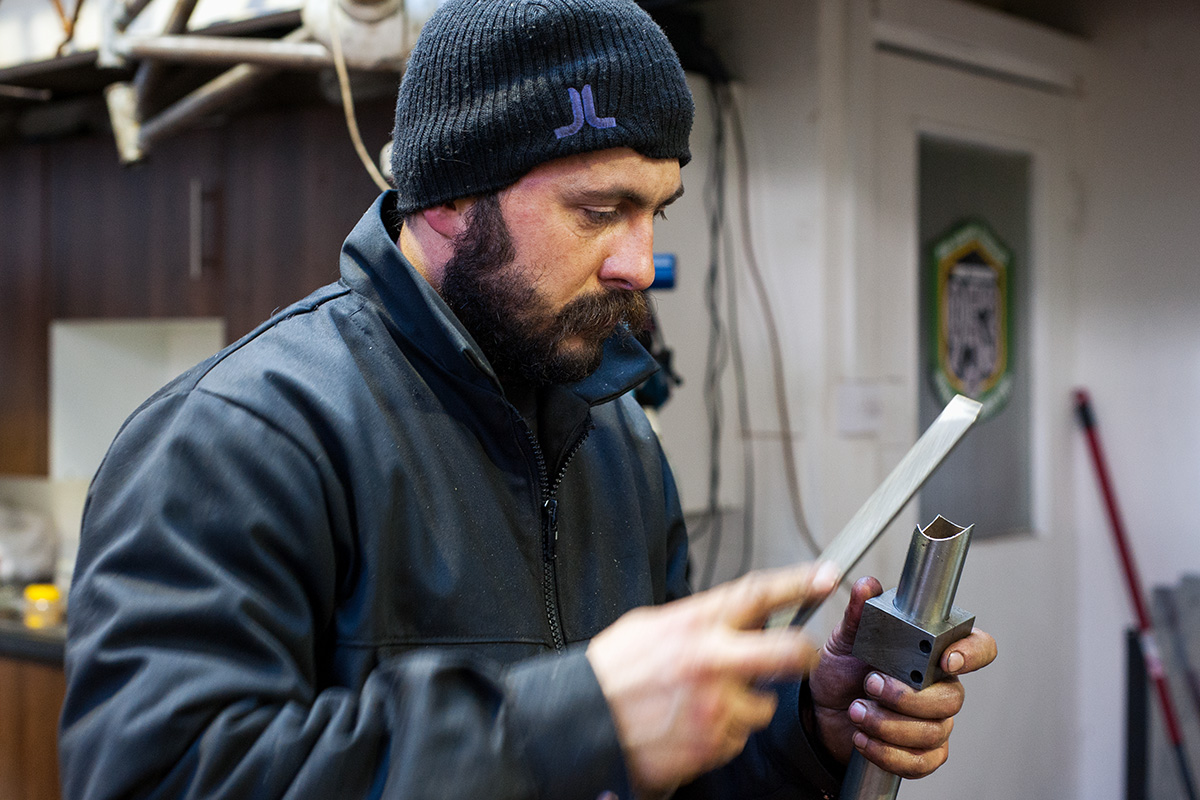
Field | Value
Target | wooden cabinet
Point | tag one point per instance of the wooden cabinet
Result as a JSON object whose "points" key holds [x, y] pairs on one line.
{"points": [[31, 695], [233, 222], [135, 241], [295, 189], [24, 334]]}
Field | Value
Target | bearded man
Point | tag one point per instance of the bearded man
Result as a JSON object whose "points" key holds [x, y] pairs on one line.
{"points": [[413, 538]]}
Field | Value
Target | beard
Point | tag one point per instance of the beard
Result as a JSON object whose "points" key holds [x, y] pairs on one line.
{"points": [[497, 300]]}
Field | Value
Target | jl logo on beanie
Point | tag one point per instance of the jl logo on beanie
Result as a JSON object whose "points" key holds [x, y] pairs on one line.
{"points": [[583, 107]]}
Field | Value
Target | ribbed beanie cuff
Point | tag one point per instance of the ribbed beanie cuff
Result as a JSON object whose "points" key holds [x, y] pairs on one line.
{"points": [[496, 87]]}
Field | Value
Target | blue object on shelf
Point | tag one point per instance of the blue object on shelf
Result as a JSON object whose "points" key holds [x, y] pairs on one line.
{"points": [[664, 271]]}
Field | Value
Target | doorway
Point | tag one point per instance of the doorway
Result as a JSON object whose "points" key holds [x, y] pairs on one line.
{"points": [[952, 146]]}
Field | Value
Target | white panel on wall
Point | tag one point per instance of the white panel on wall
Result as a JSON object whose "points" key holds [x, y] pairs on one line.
{"points": [[100, 371]]}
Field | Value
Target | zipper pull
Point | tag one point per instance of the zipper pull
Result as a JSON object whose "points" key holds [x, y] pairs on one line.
{"points": [[550, 519]]}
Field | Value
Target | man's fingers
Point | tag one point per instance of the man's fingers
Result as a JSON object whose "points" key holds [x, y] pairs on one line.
{"points": [[968, 654], [939, 701], [752, 710], [841, 641], [907, 763], [747, 602], [754, 656], [726, 717], [900, 730]]}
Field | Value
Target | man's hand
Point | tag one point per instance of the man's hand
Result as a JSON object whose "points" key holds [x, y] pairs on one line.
{"points": [[682, 679], [902, 730]]}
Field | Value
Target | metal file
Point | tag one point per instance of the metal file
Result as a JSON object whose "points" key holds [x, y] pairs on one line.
{"points": [[890, 498]]}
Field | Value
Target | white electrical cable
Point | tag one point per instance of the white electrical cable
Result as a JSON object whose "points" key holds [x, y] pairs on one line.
{"points": [[339, 65]]}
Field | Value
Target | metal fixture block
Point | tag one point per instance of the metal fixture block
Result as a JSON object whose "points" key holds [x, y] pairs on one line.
{"points": [[903, 648]]}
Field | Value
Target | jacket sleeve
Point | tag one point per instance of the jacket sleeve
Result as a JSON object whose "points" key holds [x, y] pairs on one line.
{"points": [[204, 593], [778, 763]]}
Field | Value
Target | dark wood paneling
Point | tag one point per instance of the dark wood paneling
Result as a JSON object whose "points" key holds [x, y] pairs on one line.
{"points": [[45, 687], [24, 335], [120, 240], [31, 695], [11, 783], [295, 188], [83, 237]]}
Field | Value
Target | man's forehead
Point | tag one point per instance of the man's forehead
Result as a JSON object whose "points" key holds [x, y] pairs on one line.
{"points": [[616, 174]]}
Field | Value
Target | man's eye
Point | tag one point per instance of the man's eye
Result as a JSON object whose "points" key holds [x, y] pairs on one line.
{"points": [[600, 215]]}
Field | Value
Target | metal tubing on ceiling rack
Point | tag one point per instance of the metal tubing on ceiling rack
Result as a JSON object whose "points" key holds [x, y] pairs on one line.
{"points": [[150, 73], [128, 12], [226, 50], [229, 84]]}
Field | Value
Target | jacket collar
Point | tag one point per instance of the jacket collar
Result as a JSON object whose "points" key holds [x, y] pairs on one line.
{"points": [[372, 265]]}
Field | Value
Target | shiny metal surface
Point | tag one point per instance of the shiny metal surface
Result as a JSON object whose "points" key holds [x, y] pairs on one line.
{"points": [[903, 633], [931, 571], [225, 50], [849, 546], [868, 782]]}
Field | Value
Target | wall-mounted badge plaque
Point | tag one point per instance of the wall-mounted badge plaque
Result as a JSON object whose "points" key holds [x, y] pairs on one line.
{"points": [[972, 316]]}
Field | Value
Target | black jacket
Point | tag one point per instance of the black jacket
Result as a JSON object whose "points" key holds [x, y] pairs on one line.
{"points": [[334, 561]]}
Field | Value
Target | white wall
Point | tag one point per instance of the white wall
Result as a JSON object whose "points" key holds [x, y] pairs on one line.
{"points": [[100, 371], [1138, 337], [778, 102], [1047, 721]]}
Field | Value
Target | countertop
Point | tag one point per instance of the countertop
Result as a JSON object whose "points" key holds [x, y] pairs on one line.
{"points": [[44, 645]]}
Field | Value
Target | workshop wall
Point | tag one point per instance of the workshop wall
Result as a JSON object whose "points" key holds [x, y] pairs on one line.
{"points": [[807, 101], [1138, 338], [771, 51], [1049, 715]]}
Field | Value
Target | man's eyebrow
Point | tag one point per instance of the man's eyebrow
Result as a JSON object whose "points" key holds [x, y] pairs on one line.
{"points": [[625, 194]]}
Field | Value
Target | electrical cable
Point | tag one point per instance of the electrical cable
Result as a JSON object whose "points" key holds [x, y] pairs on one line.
{"points": [[772, 330], [716, 357], [743, 400], [343, 76]]}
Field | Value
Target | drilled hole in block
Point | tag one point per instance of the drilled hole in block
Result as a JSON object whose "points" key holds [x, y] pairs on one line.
{"points": [[926, 646], [916, 676]]}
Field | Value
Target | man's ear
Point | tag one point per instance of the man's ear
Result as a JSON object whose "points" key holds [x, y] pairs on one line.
{"points": [[450, 218]]}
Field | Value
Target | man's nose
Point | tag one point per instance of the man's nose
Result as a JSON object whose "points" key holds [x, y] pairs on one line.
{"points": [[631, 263]]}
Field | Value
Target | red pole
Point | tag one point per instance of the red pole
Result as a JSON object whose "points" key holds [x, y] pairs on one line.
{"points": [[1154, 667]]}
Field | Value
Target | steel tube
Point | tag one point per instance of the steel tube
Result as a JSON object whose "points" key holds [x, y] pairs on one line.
{"points": [[24, 93], [932, 568], [226, 50], [129, 12], [210, 96], [865, 781], [150, 73], [924, 598]]}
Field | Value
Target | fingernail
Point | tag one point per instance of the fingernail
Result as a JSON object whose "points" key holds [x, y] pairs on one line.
{"points": [[874, 684], [858, 711], [954, 661], [826, 577], [860, 740]]}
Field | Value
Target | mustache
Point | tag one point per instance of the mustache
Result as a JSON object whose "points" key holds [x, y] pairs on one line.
{"points": [[601, 313]]}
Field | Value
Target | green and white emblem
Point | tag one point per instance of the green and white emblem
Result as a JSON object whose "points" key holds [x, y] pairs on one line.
{"points": [[972, 317]]}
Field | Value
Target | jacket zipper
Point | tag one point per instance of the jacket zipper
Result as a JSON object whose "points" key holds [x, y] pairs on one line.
{"points": [[549, 491]]}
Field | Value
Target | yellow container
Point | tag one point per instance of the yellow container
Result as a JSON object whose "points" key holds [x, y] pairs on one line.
{"points": [[43, 605]]}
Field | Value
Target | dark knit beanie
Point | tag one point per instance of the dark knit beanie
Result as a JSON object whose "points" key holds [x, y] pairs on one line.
{"points": [[496, 87]]}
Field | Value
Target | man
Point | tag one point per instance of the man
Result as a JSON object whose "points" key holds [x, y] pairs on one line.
{"points": [[412, 538]]}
